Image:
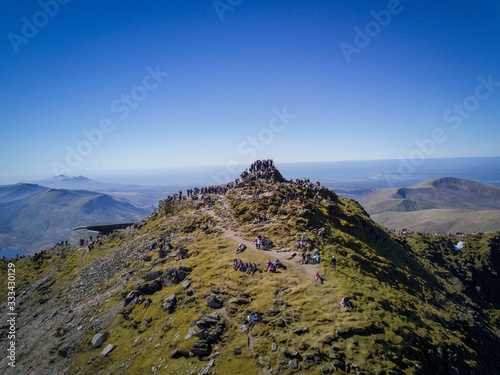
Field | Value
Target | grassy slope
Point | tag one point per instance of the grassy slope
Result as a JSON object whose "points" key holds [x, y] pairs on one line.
{"points": [[415, 299]]}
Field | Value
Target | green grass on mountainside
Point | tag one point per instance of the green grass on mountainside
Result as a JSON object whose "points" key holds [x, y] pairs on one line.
{"points": [[420, 306]]}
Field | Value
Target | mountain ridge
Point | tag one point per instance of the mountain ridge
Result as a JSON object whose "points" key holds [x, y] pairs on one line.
{"points": [[420, 306], [454, 199], [35, 217]]}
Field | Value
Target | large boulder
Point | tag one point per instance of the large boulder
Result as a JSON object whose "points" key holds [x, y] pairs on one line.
{"points": [[169, 303], [214, 302], [152, 275], [148, 288], [173, 276], [98, 340]]}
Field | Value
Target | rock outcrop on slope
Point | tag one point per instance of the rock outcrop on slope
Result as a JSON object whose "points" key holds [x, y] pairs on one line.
{"points": [[172, 294]]}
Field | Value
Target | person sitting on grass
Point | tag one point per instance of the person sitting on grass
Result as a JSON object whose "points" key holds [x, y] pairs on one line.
{"points": [[345, 302], [318, 278], [270, 266], [277, 264], [253, 320], [241, 247]]}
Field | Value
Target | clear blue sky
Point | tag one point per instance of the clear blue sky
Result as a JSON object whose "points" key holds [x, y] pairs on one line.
{"points": [[186, 83]]}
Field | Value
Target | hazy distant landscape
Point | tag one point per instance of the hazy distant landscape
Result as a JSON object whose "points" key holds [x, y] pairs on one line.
{"points": [[439, 205], [37, 215]]}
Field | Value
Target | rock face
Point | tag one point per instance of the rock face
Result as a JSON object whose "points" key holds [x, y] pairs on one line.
{"points": [[210, 331]]}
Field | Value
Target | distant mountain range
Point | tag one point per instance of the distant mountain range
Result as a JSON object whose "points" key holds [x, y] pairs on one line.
{"points": [[34, 217], [438, 205], [137, 195], [85, 183]]}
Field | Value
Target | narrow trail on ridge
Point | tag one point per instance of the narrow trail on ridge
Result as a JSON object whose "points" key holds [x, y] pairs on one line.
{"points": [[230, 230]]}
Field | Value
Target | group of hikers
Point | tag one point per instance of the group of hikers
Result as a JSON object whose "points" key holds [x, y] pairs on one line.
{"points": [[308, 259], [265, 169], [246, 267], [261, 242], [261, 169], [272, 267], [260, 218]]}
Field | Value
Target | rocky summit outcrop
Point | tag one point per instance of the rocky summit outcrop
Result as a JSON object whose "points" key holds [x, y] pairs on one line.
{"points": [[175, 295]]}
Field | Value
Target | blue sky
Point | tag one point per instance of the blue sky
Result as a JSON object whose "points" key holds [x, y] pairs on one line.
{"points": [[95, 86]]}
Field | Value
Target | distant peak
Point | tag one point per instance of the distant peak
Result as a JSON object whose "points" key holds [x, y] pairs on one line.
{"points": [[63, 177]]}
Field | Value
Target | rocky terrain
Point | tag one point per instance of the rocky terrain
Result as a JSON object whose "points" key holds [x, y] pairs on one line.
{"points": [[164, 296]]}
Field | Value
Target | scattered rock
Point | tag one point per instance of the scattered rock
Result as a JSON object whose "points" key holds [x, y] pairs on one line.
{"points": [[211, 330], [186, 283], [136, 341], [173, 276], [280, 322], [169, 303], [42, 300], [178, 353], [152, 275], [190, 300], [301, 331], [107, 350], [200, 349], [239, 301], [294, 364], [190, 333], [206, 371], [214, 302], [98, 340], [148, 288]]}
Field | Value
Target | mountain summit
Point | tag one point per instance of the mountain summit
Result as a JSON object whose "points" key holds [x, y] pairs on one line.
{"points": [[197, 289]]}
